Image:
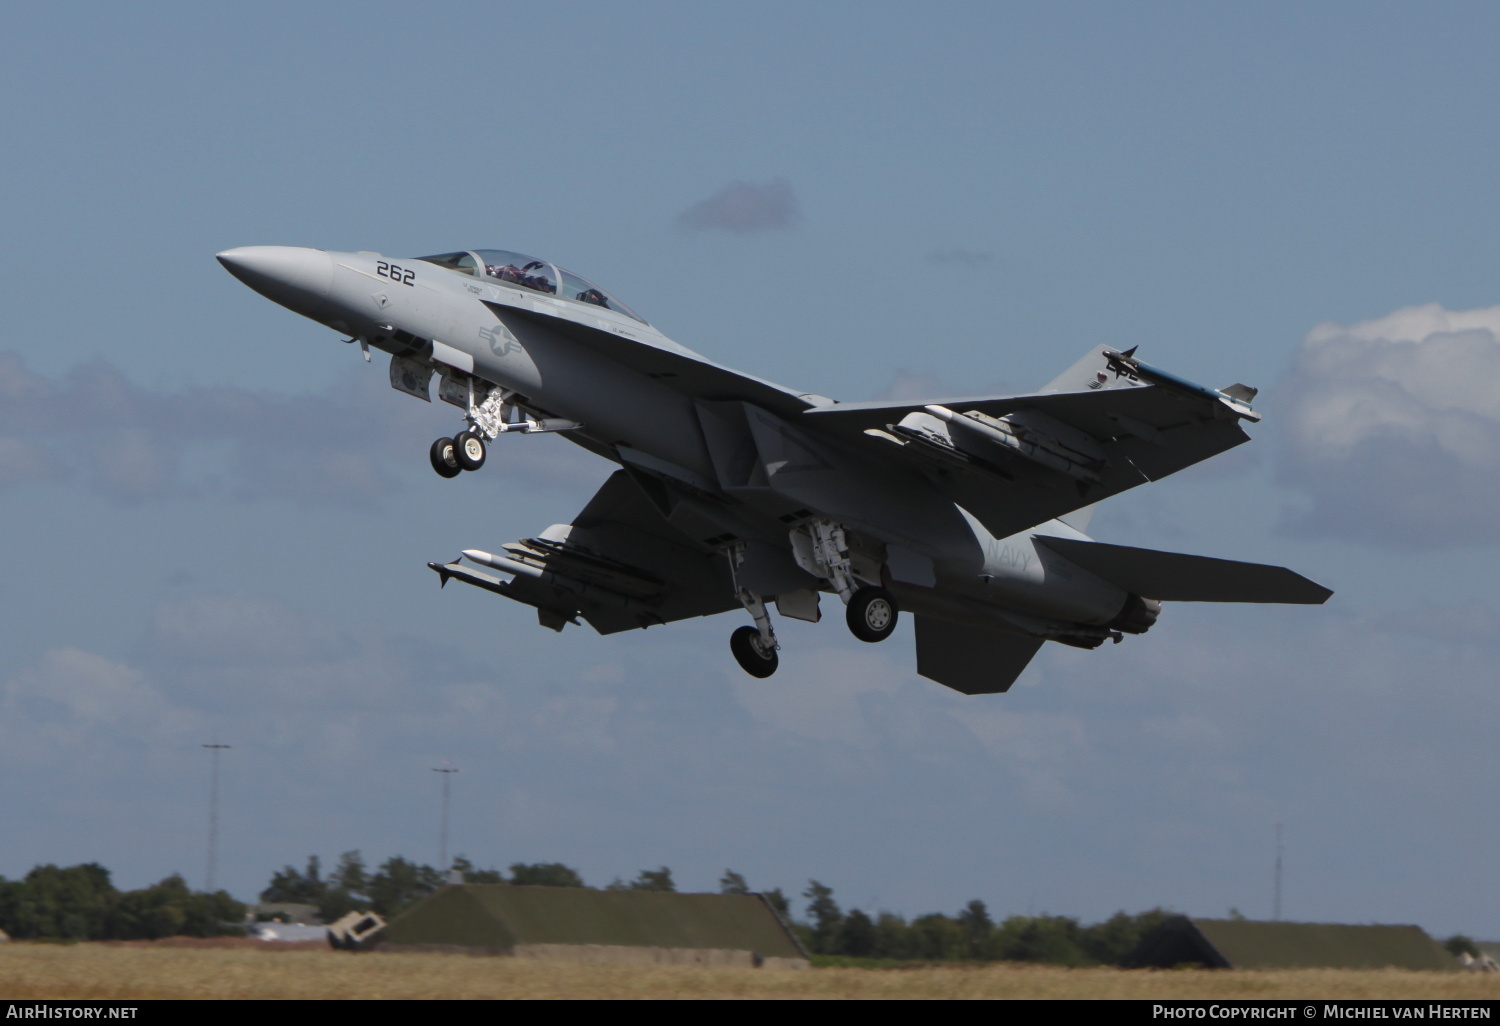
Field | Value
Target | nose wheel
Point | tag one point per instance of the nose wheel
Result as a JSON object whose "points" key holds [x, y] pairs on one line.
{"points": [[871, 614], [452, 456], [444, 457], [755, 657], [469, 450]]}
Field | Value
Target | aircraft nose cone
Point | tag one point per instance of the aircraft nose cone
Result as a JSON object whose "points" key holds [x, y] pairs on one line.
{"points": [[294, 276]]}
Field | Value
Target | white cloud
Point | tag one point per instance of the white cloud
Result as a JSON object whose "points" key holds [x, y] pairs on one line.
{"points": [[133, 443], [1469, 624], [1411, 324], [89, 685], [29, 414], [73, 703], [233, 629], [907, 386], [818, 694], [131, 464], [22, 459], [1392, 428], [603, 673], [744, 207], [1044, 750]]}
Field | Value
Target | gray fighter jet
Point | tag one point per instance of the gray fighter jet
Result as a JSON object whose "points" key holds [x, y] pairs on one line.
{"points": [[736, 493]]}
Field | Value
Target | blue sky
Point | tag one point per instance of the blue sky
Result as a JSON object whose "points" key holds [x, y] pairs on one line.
{"points": [[218, 516]]}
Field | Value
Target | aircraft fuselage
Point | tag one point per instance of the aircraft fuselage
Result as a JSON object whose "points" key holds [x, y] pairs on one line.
{"points": [[732, 465]]}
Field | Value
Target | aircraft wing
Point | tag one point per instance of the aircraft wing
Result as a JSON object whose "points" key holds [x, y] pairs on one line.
{"points": [[1089, 411], [1017, 461], [618, 566], [677, 367]]}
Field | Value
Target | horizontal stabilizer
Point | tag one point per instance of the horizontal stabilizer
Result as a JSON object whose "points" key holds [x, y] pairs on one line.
{"points": [[973, 660], [1177, 577]]}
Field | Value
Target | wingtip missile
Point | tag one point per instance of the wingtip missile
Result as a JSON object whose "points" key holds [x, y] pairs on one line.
{"points": [[1237, 401]]}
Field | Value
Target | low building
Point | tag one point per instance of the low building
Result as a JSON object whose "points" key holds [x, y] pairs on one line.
{"points": [[287, 933], [284, 912], [580, 924], [1258, 944], [1488, 960]]}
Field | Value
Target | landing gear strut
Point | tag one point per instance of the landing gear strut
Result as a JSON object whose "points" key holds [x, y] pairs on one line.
{"points": [[491, 413], [486, 419], [755, 647], [822, 548]]}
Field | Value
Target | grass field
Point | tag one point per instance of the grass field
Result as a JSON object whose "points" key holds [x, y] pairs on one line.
{"points": [[39, 971]]}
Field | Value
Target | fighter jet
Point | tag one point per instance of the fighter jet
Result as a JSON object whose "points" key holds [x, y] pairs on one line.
{"points": [[735, 493]]}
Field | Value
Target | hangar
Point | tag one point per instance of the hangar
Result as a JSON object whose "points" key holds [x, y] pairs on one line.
{"points": [[580, 924], [1259, 944]]}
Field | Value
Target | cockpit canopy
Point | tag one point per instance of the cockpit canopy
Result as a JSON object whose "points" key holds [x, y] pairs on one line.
{"points": [[524, 272]]}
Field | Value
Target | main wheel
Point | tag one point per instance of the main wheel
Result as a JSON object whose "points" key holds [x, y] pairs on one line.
{"points": [[468, 449], [754, 657], [872, 614], [444, 456]]}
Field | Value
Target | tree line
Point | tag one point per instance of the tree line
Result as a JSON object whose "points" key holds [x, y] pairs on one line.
{"points": [[824, 929], [971, 935], [80, 903], [398, 883]]}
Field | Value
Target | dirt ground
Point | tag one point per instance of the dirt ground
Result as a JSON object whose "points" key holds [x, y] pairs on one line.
{"points": [[255, 969]]}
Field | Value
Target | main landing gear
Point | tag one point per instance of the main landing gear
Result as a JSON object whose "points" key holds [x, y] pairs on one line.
{"points": [[755, 647], [870, 611], [754, 656], [871, 614]]}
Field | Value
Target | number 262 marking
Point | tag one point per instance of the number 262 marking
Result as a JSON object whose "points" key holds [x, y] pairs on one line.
{"points": [[395, 273]]}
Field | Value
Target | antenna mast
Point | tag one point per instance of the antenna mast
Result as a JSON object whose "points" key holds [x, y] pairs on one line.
{"points": [[213, 815], [447, 772], [1276, 902]]}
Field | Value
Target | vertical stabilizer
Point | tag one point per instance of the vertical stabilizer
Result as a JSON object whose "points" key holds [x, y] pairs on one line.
{"points": [[970, 659], [1090, 373], [1079, 519]]}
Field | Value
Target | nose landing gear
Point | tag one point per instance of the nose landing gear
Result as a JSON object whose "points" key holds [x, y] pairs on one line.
{"points": [[487, 420], [452, 456]]}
